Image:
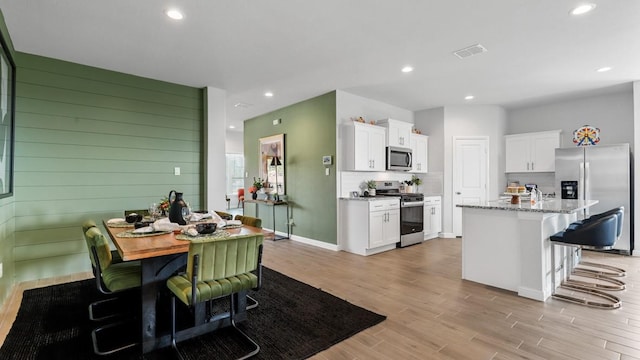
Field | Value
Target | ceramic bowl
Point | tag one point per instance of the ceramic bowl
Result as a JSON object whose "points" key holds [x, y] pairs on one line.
{"points": [[133, 217], [206, 228]]}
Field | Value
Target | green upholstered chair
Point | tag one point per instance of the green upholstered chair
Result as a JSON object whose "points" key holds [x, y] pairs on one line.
{"points": [[224, 215], [115, 255], [217, 268], [111, 278], [249, 220]]}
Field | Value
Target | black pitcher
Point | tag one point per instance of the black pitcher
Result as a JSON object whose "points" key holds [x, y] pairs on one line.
{"points": [[175, 208]]}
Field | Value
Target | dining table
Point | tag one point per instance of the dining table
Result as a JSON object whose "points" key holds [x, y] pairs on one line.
{"points": [[162, 256]]}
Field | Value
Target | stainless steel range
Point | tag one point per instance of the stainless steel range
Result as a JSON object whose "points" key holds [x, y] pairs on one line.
{"points": [[411, 212]]}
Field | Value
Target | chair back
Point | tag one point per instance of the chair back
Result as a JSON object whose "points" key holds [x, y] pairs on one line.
{"points": [[240, 192], [619, 212], [220, 258], [249, 221], [224, 215], [88, 225], [98, 246], [599, 233]]}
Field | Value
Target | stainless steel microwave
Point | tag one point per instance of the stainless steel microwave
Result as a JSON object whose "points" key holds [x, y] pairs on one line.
{"points": [[398, 158]]}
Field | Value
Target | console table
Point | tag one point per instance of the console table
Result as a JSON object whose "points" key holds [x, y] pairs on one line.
{"points": [[273, 205]]}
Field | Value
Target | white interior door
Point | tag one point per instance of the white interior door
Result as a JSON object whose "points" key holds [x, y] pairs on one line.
{"points": [[470, 175]]}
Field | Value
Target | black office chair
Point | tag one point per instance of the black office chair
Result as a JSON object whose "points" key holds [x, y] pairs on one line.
{"points": [[599, 233]]}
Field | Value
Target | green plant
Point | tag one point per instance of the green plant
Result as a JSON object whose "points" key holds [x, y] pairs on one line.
{"points": [[257, 183], [416, 180], [371, 184]]}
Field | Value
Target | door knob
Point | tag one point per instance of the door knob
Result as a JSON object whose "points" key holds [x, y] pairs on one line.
{"points": [[458, 193]]}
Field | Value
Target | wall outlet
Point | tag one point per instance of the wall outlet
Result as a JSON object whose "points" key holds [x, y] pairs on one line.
{"points": [[176, 171], [291, 222]]}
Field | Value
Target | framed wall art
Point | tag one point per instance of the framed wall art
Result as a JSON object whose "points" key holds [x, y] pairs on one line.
{"points": [[272, 163]]}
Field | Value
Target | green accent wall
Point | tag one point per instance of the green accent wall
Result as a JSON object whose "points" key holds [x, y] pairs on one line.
{"points": [[310, 132], [7, 213], [91, 143]]}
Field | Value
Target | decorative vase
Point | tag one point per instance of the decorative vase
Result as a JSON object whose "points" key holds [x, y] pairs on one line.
{"points": [[372, 192], [254, 195]]}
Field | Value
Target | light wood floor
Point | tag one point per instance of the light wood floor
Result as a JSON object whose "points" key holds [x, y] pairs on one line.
{"points": [[433, 314]]}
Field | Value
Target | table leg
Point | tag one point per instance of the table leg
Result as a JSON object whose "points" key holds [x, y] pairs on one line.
{"points": [[155, 272]]}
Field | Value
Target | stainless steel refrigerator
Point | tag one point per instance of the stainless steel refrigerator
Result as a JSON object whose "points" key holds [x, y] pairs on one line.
{"points": [[603, 173]]}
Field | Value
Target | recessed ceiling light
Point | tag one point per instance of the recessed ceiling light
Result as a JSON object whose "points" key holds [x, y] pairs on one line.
{"points": [[268, 94], [582, 9], [469, 97], [231, 127], [175, 14], [407, 69], [604, 69]]}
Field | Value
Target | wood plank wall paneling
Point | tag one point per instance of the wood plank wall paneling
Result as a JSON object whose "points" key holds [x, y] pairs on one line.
{"points": [[89, 144]]}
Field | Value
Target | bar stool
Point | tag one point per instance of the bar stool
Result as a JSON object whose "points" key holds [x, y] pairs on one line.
{"points": [[608, 270], [599, 233]]}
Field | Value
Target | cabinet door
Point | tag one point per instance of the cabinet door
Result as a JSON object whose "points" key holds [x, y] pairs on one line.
{"points": [[428, 219], [391, 231], [361, 144], [419, 146], [543, 152], [377, 222], [517, 154], [436, 219], [377, 149], [399, 133]]}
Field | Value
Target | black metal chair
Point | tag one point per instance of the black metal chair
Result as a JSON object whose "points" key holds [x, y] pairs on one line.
{"points": [[599, 233]]}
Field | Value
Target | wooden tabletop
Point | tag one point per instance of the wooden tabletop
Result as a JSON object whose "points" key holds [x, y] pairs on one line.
{"points": [[151, 246]]}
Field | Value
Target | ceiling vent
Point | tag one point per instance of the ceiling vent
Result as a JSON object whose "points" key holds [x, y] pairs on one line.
{"points": [[470, 51]]}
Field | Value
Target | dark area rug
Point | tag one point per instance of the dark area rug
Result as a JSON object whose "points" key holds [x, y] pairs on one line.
{"points": [[293, 321]]}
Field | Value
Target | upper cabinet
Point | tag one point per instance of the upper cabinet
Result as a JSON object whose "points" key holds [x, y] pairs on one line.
{"points": [[420, 150], [398, 132], [531, 152], [363, 147]]}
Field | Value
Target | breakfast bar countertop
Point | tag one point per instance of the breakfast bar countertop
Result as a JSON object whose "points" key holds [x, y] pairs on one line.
{"points": [[554, 206]]}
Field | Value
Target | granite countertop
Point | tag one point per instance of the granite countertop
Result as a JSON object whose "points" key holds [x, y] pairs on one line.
{"points": [[553, 206], [369, 198]]}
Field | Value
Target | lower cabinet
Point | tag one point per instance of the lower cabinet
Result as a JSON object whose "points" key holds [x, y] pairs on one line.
{"points": [[369, 226], [432, 216]]}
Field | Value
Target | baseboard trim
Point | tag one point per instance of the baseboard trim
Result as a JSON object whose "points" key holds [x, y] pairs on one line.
{"points": [[313, 242]]}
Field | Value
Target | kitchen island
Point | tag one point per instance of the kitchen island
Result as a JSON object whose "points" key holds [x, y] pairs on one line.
{"points": [[507, 246]]}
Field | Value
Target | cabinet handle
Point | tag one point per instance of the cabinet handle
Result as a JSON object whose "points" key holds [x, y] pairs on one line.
{"points": [[532, 166], [527, 165]]}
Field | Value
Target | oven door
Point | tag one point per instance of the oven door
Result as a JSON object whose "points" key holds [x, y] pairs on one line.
{"points": [[411, 217]]}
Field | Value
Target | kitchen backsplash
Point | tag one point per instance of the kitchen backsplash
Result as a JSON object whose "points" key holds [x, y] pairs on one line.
{"points": [[355, 181], [545, 181]]}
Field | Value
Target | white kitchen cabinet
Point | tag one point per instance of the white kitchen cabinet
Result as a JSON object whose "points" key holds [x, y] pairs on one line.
{"points": [[398, 132], [420, 150], [432, 216], [531, 152], [364, 147], [369, 226]]}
